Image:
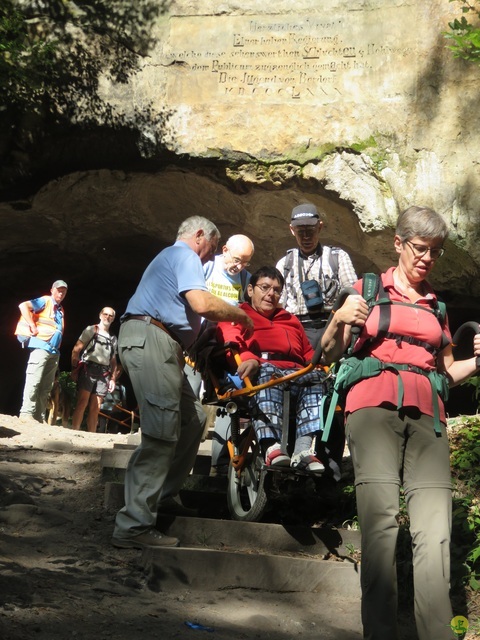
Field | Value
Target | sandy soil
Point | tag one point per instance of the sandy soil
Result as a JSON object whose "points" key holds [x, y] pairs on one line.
{"points": [[61, 578]]}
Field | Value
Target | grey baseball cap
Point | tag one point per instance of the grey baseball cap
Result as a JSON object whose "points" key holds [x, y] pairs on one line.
{"points": [[59, 283]]}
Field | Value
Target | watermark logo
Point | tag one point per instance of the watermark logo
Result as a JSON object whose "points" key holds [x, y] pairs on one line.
{"points": [[459, 626]]}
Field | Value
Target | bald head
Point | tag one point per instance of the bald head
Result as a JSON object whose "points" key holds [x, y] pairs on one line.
{"points": [[237, 253]]}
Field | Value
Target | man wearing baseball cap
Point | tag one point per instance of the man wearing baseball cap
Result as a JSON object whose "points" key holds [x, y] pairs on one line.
{"points": [[314, 276], [40, 329], [314, 273]]}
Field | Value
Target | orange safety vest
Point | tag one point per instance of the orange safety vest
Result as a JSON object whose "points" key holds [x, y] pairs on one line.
{"points": [[45, 321]]}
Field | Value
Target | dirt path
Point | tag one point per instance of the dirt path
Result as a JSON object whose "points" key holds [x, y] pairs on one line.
{"points": [[60, 577]]}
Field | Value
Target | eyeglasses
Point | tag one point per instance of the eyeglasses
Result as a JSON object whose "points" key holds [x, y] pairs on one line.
{"points": [[236, 260], [420, 250], [266, 288]]}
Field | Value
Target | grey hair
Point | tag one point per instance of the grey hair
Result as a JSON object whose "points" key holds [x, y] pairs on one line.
{"points": [[422, 222], [190, 226], [103, 310]]}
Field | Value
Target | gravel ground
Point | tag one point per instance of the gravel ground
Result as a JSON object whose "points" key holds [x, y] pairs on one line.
{"points": [[61, 578]]}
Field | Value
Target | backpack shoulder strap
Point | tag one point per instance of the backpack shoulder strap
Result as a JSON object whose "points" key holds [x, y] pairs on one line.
{"points": [[113, 345], [375, 294], [441, 313], [382, 299], [93, 340], [333, 261], [288, 264], [370, 287]]}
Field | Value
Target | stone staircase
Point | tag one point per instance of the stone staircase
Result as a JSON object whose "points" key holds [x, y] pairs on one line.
{"points": [[217, 553]]}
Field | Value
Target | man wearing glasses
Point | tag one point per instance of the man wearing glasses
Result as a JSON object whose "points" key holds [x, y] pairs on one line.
{"points": [[227, 278], [94, 366], [226, 275], [279, 346], [314, 273]]}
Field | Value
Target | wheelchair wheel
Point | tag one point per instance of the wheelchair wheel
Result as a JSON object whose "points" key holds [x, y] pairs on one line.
{"points": [[246, 495]]}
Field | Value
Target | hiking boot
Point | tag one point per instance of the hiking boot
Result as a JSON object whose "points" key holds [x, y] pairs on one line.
{"points": [[306, 461], [152, 539], [275, 457]]}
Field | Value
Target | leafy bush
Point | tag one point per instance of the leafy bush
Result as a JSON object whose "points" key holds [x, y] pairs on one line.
{"points": [[55, 56], [465, 461], [465, 36], [68, 386]]}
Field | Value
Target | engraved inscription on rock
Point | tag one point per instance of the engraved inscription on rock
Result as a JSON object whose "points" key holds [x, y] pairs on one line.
{"points": [[307, 59]]}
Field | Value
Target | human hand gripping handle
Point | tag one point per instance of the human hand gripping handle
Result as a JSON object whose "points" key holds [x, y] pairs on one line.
{"points": [[353, 311], [348, 315]]}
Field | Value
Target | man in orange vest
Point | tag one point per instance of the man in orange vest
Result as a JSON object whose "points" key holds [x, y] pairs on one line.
{"points": [[40, 329]]}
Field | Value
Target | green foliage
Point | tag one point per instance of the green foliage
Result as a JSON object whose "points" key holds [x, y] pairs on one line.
{"points": [[25, 62], [369, 143], [464, 36], [465, 461], [68, 386], [474, 381], [54, 53], [55, 56]]}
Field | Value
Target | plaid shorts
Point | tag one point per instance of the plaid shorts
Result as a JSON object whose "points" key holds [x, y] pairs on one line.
{"points": [[306, 394]]}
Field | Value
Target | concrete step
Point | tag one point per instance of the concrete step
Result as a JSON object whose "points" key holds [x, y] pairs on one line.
{"points": [[207, 570], [117, 457], [199, 490], [220, 554], [258, 537]]}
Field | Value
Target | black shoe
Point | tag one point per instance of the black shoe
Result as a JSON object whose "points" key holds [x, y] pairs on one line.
{"points": [[152, 539]]}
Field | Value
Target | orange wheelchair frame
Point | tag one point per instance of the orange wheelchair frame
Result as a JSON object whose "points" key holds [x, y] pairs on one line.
{"points": [[251, 484], [131, 422]]}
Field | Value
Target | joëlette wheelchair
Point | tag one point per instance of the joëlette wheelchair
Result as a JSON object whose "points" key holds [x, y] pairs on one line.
{"points": [[114, 417], [254, 489]]}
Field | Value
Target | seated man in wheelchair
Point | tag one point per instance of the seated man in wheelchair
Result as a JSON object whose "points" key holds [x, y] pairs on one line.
{"points": [[277, 347]]}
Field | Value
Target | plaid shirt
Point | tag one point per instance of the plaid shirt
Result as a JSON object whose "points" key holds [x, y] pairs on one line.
{"points": [[314, 267]]}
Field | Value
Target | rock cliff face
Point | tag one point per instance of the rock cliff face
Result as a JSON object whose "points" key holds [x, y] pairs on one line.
{"points": [[359, 109]]}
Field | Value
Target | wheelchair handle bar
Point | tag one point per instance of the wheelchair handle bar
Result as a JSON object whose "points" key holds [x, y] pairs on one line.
{"points": [[250, 389], [342, 296], [462, 329]]}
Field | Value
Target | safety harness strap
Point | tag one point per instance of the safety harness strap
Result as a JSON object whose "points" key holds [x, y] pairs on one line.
{"points": [[354, 369]]}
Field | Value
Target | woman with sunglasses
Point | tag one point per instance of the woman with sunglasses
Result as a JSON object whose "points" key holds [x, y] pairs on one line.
{"points": [[396, 429], [278, 346]]}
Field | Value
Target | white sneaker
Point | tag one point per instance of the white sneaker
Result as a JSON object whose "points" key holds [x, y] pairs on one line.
{"points": [[275, 457], [306, 461]]}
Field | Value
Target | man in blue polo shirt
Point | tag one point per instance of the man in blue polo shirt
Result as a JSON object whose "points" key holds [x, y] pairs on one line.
{"points": [[162, 320], [40, 329]]}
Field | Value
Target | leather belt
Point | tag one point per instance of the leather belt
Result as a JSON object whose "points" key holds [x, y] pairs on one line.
{"points": [[154, 321]]}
